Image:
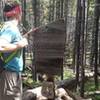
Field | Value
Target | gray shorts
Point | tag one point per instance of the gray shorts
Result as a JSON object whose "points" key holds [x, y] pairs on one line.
{"points": [[10, 86]]}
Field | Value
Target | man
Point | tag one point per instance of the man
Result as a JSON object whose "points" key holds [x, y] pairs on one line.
{"points": [[11, 42]]}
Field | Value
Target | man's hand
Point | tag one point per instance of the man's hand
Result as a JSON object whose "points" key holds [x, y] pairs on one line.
{"points": [[8, 47], [22, 43]]}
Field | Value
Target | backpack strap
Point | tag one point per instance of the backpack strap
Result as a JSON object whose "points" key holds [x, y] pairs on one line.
{"points": [[9, 58], [1, 60], [1, 56]]}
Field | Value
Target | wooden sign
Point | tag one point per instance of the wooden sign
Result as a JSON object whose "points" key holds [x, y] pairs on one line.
{"points": [[49, 46]]}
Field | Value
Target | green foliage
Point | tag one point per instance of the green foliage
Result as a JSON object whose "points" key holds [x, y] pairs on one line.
{"points": [[68, 74], [28, 79], [90, 87], [30, 83], [96, 97], [73, 7], [17, 1], [91, 7]]}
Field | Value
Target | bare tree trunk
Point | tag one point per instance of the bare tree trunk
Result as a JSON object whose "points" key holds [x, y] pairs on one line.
{"points": [[62, 8], [34, 4], [24, 24], [86, 30], [58, 9], [66, 21], [51, 10], [77, 40], [96, 29], [82, 49], [1, 11]]}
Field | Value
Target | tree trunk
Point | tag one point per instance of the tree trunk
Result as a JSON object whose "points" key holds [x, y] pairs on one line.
{"points": [[82, 49], [77, 40], [34, 7], [96, 29]]}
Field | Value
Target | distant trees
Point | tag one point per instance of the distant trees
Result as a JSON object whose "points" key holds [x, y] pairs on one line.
{"points": [[80, 61]]}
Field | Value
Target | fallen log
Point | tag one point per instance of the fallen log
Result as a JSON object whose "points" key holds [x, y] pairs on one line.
{"points": [[35, 94], [69, 84], [63, 90], [60, 91]]}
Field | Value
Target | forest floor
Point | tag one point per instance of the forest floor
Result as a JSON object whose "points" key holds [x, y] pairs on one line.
{"points": [[91, 93]]}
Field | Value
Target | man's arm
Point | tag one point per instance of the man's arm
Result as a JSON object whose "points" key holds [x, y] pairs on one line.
{"points": [[8, 47]]}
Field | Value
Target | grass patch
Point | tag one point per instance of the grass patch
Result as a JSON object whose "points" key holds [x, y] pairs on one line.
{"points": [[68, 74], [91, 91], [90, 85]]}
